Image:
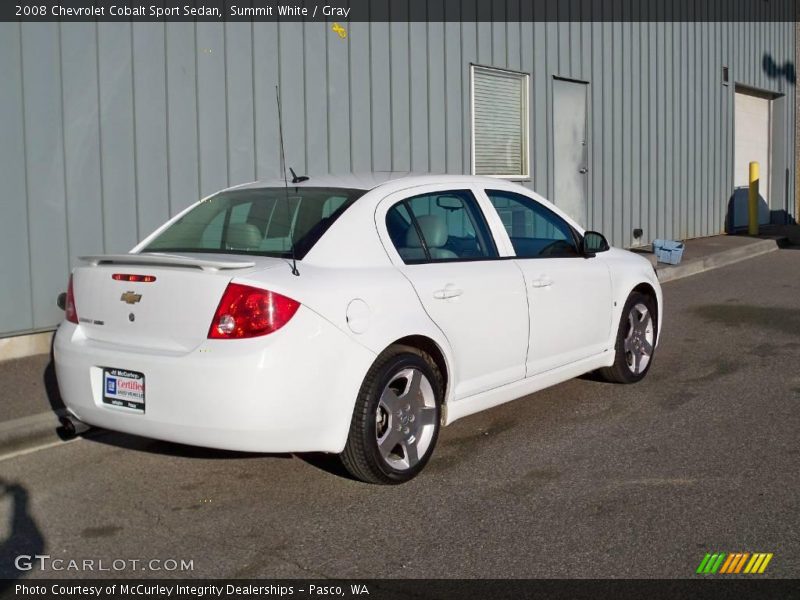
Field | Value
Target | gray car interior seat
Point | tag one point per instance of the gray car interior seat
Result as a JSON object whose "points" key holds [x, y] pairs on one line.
{"points": [[243, 236], [434, 229]]}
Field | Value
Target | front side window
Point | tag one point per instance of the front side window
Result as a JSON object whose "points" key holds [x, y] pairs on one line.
{"points": [[535, 231], [264, 222], [441, 226]]}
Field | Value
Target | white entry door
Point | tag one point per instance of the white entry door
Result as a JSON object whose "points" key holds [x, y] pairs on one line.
{"points": [[752, 137], [571, 159]]}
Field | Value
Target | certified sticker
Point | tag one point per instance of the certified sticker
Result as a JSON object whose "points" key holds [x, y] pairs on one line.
{"points": [[123, 388]]}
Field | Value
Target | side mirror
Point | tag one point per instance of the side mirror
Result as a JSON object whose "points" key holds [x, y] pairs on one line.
{"points": [[61, 301], [593, 242]]}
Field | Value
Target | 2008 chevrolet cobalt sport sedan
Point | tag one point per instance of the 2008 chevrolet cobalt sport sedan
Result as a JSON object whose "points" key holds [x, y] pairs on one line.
{"points": [[351, 315]]}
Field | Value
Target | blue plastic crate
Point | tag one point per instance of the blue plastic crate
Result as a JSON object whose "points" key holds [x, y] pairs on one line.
{"points": [[668, 251]]}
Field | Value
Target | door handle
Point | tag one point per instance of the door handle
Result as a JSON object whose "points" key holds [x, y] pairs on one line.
{"points": [[542, 282], [583, 170], [447, 293]]}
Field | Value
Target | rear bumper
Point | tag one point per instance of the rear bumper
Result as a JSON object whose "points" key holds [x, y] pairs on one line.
{"points": [[291, 391]]}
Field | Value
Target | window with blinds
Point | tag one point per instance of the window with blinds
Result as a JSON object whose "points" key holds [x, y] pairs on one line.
{"points": [[499, 123]]}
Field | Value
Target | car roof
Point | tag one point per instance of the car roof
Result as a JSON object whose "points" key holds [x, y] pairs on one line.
{"points": [[371, 180]]}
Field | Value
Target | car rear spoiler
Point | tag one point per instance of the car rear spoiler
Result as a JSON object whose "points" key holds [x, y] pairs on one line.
{"points": [[168, 260]]}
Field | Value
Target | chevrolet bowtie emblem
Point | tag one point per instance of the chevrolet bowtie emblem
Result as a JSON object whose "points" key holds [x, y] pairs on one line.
{"points": [[130, 297], [339, 30]]}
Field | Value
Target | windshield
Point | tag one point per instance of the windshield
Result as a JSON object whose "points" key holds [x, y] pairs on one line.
{"points": [[261, 221]]}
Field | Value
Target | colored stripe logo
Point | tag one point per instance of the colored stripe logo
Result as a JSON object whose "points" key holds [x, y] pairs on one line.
{"points": [[734, 563]]}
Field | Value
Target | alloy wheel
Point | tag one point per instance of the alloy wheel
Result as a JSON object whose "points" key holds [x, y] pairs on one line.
{"points": [[639, 338], [405, 421]]}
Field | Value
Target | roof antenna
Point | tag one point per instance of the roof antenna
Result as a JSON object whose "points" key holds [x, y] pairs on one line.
{"points": [[297, 178], [285, 181]]}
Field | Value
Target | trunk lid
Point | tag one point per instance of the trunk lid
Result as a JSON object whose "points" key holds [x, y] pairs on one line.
{"points": [[170, 313]]}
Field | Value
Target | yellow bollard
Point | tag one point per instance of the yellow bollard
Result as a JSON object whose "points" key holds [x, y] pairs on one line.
{"points": [[752, 228]]}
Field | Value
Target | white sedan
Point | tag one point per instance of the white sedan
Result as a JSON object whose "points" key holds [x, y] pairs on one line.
{"points": [[349, 315]]}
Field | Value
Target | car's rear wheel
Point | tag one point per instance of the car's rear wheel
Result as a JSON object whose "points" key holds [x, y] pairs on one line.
{"points": [[396, 418], [636, 340]]}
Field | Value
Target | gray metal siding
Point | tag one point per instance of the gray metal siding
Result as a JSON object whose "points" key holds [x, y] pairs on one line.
{"points": [[107, 129], [16, 289]]}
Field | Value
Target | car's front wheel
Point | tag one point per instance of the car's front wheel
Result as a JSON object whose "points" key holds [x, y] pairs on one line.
{"points": [[396, 418], [636, 340]]}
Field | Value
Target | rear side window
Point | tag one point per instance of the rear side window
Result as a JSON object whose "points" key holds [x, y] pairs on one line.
{"points": [[442, 226], [264, 222], [535, 231]]}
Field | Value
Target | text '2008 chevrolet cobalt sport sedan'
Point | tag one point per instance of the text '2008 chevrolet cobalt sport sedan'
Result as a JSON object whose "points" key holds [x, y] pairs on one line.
{"points": [[349, 315]]}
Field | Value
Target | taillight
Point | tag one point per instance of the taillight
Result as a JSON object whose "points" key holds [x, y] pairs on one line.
{"points": [[133, 278], [246, 312], [70, 312]]}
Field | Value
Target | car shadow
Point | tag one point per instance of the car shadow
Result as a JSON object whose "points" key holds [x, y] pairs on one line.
{"points": [[151, 446], [53, 393], [50, 381], [328, 463], [596, 377], [24, 538]]}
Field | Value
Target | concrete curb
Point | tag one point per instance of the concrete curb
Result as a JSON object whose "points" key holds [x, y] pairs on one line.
{"points": [[28, 433], [22, 346], [719, 259]]}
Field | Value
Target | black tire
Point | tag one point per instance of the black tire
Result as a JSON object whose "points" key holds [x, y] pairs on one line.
{"points": [[620, 371], [362, 456]]}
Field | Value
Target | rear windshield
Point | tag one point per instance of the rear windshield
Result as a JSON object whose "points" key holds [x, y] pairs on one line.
{"points": [[262, 222]]}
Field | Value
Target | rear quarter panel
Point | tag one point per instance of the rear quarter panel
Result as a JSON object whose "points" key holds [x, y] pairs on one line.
{"points": [[374, 306]]}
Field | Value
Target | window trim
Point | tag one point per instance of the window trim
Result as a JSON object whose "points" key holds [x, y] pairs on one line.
{"points": [[526, 121]]}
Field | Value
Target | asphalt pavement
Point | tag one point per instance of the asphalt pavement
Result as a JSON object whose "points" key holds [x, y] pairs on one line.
{"points": [[585, 479]]}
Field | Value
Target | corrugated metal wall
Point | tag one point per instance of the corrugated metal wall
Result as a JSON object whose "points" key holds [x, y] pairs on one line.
{"points": [[107, 129]]}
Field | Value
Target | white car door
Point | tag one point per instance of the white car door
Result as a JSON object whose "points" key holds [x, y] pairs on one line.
{"points": [[438, 237], [569, 295]]}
